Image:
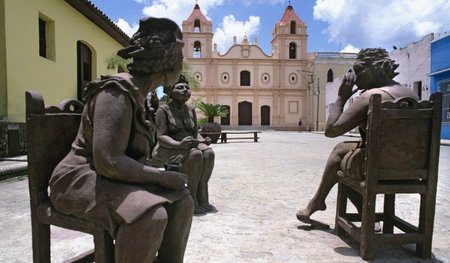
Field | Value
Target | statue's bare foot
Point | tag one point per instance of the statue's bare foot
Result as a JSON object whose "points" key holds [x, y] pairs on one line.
{"points": [[198, 210], [304, 215], [207, 207]]}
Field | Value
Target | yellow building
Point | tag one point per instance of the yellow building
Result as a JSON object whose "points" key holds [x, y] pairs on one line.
{"points": [[262, 90], [54, 47]]}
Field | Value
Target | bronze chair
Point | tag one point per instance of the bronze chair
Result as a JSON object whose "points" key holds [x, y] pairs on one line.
{"points": [[401, 157], [50, 133]]}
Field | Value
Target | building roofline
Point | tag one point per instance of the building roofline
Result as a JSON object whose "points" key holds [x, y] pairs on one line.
{"points": [[96, 16]]}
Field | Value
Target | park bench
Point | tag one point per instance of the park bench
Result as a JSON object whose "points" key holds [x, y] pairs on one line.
{"points": [[241, 135], [50, 133], [401, 157]]}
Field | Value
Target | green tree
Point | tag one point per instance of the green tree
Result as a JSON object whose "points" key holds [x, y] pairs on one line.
{"points": [[210, 111], [119, 63]]}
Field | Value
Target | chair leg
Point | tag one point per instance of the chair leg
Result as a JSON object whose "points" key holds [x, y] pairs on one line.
{"points": [[104, 248], [426, 221], [341, 208], [367, 227], [41, 241], [389, 212]]}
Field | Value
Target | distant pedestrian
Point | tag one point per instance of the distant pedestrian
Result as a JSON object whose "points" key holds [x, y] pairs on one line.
{"points": [[300, 125]]}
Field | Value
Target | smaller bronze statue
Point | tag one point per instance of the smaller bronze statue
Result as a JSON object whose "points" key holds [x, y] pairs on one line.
{"points": [[179, 140], [373, 73]]}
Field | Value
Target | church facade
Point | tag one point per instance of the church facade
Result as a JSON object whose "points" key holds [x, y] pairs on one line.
{"points": [[262, 91], [259, 90]]}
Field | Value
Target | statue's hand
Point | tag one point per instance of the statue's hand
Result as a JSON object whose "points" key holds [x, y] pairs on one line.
{"points": [[174, 180], [207, 141], [187, 142], [348, 81]]}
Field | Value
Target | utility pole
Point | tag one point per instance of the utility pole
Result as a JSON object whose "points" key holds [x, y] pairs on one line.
{"points": [[318, 96], [309, 81]]}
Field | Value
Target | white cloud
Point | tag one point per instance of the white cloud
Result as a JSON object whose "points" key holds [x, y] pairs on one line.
{"points": [[231, 27], [177, 10], [271, 2], [125, 26], [381, 23], [350, 49]]}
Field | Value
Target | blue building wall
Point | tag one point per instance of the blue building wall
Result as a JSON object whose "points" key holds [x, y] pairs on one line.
{"points": [[440, 78]]}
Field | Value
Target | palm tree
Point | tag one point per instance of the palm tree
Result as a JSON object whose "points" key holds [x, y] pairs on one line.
{"points": [[209, 128], [119, 63], [211, 110]]}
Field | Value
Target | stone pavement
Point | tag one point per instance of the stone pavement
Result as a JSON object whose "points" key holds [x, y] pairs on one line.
{"points": [[257, 189]]}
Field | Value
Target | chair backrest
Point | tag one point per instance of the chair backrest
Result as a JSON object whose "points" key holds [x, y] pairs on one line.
{"points": [[403, 138], [50, 132]]}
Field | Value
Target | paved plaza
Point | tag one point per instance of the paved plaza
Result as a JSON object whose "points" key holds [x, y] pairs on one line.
{"points": [[257, 189]]}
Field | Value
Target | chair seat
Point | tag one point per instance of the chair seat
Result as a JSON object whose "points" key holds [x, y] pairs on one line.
{"points": [[46, 213]]}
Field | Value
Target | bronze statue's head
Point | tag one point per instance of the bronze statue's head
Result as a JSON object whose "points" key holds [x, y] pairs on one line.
{"points": [[177, 92], [182, 79], [377, 61], [155, 48]]}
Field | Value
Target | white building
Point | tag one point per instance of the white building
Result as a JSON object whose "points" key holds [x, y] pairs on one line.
{"points": [[415, 65]]}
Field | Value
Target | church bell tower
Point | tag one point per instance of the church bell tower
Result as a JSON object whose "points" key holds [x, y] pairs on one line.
{"points": [[197, 35], [289, 37]]}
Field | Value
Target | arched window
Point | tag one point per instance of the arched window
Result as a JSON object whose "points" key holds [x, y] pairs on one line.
{"points": [[245, 78], [330, 75], [292, 50], [293, 27], [84, 67], [197, 26], [197, 50]]}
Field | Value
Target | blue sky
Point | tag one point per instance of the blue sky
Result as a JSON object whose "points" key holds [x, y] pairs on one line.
{"points": [[333, 25]]}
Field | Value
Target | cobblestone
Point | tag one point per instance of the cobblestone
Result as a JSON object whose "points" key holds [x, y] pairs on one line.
{"points": [[257, 189]]}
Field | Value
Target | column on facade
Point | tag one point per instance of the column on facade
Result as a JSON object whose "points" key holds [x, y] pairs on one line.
{"points": [[275, 95], [282, 96], [256, 119], [276, 107], [209, 76], [256, 112], [234, 75], [234, 109]]}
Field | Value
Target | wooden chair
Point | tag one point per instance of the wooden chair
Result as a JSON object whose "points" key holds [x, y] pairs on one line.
{"points": [[401, 157], [50, 133]]}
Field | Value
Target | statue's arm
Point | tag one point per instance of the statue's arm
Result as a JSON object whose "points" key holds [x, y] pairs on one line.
{"points": [[162, 133], [340, 121], [112, 125]]}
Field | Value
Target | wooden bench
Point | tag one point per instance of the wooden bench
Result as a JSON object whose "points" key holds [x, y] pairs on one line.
{"points": [[224, 135]]}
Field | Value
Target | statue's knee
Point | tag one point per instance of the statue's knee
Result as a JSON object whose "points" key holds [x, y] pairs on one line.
{"points": [[209, 155], [196, 155], [186, 205], [159, 217]]}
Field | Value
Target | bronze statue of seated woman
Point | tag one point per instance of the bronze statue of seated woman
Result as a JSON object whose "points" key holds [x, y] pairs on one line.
{"points": [[179, 140]]}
